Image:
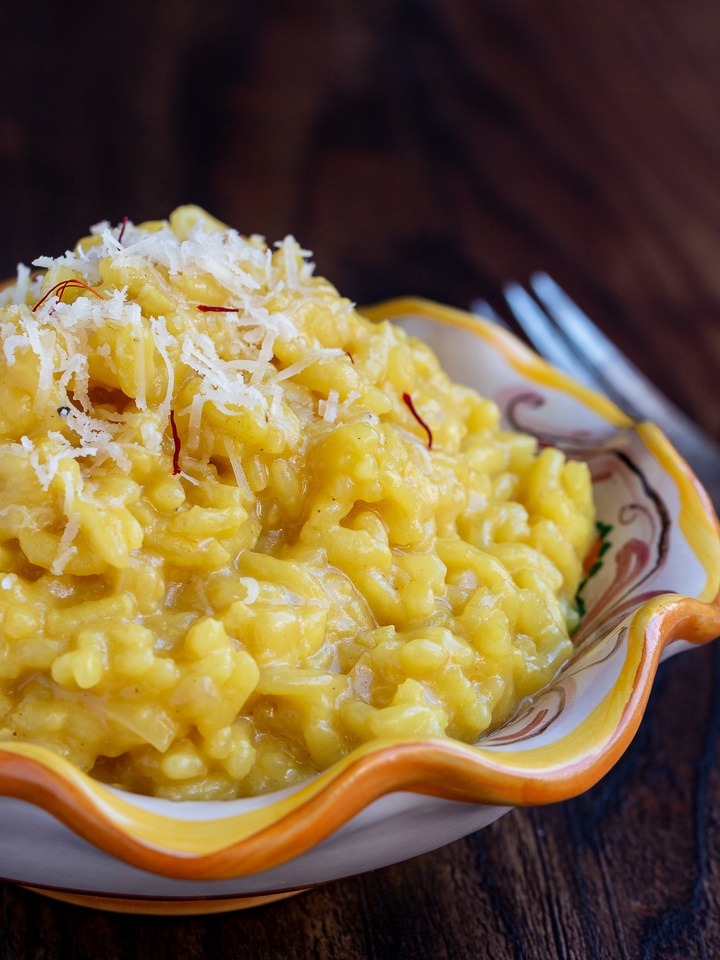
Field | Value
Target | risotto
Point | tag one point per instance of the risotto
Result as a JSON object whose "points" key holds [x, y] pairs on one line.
{"points": [[243, 529]]}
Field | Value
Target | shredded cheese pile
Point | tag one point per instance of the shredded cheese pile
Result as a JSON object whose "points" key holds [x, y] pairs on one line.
{"points": [[106, 339]]}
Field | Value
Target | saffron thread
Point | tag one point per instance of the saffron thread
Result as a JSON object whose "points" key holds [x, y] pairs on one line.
{"points": [[176, 442], [411, 407], [122, 229], [60, 288], [206, 309]]}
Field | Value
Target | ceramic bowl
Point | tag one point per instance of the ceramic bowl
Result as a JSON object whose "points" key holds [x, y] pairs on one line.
{"points": [[651, 591]]}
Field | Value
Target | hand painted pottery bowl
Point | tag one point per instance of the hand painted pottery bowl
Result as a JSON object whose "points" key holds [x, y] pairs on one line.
{"points": [[651, 591]]}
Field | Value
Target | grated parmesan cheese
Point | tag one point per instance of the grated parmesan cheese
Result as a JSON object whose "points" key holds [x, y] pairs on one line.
{"points": [[111, 364], [328, 409], [252, 587], [22, 283], [66, 549], [237, 468]]}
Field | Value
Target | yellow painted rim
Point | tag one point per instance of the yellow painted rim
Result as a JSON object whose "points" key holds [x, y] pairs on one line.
{"points": [[257, 840]]}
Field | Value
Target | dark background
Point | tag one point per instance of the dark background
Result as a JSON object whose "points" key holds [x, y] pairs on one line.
{"points": [[433, 147]]}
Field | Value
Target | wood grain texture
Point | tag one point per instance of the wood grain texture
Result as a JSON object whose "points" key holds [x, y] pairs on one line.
{"points": [[433, 147]]}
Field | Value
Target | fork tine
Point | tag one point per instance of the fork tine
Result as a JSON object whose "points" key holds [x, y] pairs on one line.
{"points": [[546, 338], [483, 310], [576, 325], [620, 379], [614, 373], [617, 376]]}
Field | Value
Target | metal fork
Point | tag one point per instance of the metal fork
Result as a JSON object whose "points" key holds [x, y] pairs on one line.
{"points": [[564, 335]]}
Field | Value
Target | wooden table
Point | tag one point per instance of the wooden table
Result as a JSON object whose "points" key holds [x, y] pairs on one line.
{"points": [[435, 147]]}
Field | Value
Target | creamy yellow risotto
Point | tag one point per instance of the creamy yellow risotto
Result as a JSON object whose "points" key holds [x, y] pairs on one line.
{"points": [[243, 529]]}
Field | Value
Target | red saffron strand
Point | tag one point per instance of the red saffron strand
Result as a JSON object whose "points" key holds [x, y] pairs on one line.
{"points": [[60, 288], [206, 309], [122, 229], [176, 442], [411, 407]]}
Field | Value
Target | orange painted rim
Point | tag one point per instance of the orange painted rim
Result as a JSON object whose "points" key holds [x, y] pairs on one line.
{"points": [[252, 842]]}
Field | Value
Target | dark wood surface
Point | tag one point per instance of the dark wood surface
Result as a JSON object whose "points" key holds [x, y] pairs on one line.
{"points": [[435, 147]]}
